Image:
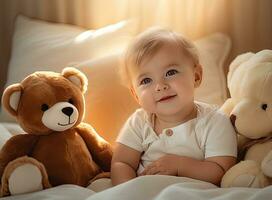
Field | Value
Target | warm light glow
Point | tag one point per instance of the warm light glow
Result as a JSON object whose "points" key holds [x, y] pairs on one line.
{"points": [[83, 36], [92, 34]]}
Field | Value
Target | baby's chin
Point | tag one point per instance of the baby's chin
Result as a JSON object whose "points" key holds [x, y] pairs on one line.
{"points": [[167, 111]]}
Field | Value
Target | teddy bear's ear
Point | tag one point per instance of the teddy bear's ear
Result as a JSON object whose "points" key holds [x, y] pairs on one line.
{"points": [[237, 62], [76, 77], [11, 98]]}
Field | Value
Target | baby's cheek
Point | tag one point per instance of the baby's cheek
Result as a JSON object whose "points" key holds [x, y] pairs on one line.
{"points": [[184, 87], [147, 102]]}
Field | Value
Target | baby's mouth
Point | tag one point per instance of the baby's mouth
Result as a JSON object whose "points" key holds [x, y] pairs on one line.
{"points": [[165, 98]]}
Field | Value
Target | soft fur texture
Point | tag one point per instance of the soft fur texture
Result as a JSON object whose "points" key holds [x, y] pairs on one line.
{"points": [[75, 154], [250, 110]]}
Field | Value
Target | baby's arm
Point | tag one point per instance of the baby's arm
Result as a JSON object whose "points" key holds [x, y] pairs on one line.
{"points": [[211, 170], [124, 164]]}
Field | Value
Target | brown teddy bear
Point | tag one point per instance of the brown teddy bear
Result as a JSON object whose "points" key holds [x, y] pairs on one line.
{"points": [[58, 148]]}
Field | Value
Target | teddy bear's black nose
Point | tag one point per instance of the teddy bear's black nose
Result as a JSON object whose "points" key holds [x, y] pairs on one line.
{"points": [[68, 111], [233, 119]]}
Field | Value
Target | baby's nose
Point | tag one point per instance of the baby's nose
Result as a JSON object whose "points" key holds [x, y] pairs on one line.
{"points": [[161, 87]]}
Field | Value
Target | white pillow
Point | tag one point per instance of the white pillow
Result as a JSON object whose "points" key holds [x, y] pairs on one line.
{"points": [[39, 45], [213, 52], [108, 103]]}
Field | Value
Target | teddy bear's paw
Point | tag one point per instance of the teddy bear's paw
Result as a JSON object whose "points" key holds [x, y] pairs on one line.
{"points": [[245, 174], [267, 165], [100, 175], [24, 175], [248, 180], [18, 183], [100, 184]]}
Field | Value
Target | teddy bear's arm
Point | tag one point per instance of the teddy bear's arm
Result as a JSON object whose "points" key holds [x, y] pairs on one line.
{"points": [[228, 106], [16, 146], [100, 149]]}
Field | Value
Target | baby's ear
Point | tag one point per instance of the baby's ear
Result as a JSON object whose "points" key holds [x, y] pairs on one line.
{"points": [[76, 77], [198, 75], [11, 98]]}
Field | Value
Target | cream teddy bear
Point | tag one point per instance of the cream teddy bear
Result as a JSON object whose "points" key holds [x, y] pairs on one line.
{"points": [[250, 110]]}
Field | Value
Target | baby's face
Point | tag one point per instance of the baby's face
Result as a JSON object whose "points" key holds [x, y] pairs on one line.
{"points": [[164, 84]]}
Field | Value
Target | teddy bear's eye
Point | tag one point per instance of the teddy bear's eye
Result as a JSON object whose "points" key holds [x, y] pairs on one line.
{"points": [[71, 101], [44, 107], [264, 106]]}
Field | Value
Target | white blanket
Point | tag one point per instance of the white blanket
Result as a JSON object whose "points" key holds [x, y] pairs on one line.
{"points": [[63, 192], [169, 187], [151, 187]]}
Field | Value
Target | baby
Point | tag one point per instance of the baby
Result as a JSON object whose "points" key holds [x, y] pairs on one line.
{"points": [[171, 134]]}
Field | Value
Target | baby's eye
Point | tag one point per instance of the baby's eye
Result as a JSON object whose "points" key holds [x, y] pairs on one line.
{"points": [[171, 72], [145, 81]]}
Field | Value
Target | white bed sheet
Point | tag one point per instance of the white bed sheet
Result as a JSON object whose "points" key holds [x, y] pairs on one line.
{"points": [[169, 187], [151, 187], [63, 192]]}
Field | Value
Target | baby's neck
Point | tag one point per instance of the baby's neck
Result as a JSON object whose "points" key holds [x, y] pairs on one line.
{"points": [[163, 122]]}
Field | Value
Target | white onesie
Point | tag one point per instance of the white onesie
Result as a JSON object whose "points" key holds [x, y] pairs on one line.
{"points": [[209, 134]]}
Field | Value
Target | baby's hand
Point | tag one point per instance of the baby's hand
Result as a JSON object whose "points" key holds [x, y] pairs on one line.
{"points": [[165, 165]]}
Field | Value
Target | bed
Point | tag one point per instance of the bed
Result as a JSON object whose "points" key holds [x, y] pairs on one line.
{"points": [[165, 187], [40, 45]]}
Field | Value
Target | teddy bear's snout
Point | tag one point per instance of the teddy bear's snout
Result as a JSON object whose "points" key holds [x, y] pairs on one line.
{"points": [[60, 116], [233, 119], [68, 111]]}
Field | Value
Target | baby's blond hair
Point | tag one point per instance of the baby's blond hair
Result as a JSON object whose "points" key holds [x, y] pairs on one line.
{"points": [[146, 44]]}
